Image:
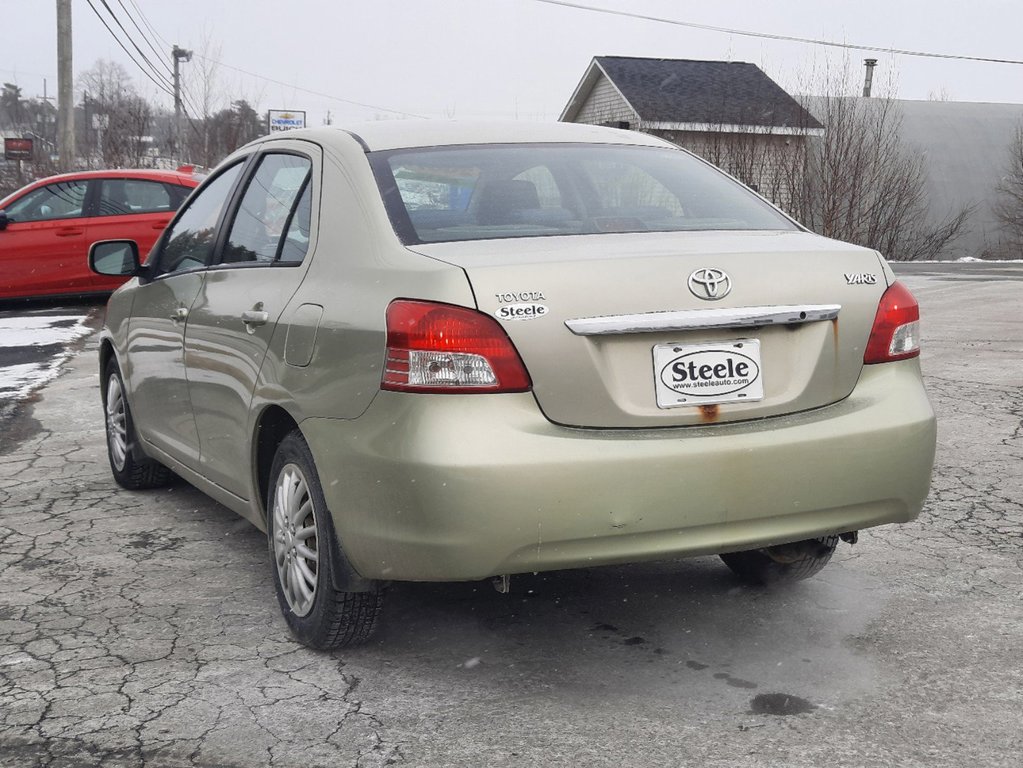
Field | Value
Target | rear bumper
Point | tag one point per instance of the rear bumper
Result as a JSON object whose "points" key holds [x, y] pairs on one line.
{"points": [[439, 488]]}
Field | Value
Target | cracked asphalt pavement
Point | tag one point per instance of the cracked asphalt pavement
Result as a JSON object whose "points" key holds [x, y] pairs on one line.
{"points": [[141, 629]]}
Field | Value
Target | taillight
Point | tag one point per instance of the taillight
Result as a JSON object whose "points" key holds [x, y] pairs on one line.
{"points": [[442, 348], [896, 331]]}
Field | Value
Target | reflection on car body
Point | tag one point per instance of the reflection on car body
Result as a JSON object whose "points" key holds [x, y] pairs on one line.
{"points": [[433, 351]]}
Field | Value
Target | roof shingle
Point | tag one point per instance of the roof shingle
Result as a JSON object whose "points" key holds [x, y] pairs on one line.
{"points": [[715, 92]]}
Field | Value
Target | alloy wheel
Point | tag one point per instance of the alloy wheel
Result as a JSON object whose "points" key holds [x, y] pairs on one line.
{"points": [[117, 427], [295, 539]]}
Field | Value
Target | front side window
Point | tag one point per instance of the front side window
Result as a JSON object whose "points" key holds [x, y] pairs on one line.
{"points": [[271, 215], [119, 197], [62, 200], [190, 241], [478, 192]]}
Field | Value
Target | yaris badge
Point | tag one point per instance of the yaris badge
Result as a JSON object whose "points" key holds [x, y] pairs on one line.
{"points": [[710, 284]]}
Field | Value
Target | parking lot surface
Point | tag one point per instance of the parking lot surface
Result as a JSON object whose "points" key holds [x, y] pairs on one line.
{"points": [[141, 629]]}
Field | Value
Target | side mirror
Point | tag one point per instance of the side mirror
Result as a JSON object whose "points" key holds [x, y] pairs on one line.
{"points": [[115, 258], [4, 221]]}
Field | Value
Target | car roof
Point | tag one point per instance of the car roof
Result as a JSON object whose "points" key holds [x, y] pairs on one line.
{"points": [[399, 134], [173, 177]]}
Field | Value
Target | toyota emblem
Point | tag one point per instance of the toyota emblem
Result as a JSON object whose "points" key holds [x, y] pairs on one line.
{"points": [[710, 284]]}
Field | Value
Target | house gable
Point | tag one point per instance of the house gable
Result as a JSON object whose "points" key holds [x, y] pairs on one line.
{"points": [[605, 106], [682, 94], [598, 101]]}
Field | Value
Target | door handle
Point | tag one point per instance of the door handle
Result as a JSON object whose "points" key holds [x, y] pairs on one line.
{"points": [[161, 224], [255, 317], [69, 231], [180, 315]]}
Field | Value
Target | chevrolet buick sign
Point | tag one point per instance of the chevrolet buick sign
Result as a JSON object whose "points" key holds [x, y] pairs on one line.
{"points": [[284, 120]]}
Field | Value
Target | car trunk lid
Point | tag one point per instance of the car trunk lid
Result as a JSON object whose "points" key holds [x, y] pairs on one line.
{"points": [[669, 329]]}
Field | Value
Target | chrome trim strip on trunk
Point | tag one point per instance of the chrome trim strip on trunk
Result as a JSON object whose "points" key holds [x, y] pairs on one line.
{"points": [[694, 319]]}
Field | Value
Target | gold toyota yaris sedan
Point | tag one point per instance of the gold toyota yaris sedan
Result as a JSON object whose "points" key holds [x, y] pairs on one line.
{"points": [[433, 351]]}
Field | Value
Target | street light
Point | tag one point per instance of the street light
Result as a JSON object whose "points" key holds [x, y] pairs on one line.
{"points": [[179, 55]]}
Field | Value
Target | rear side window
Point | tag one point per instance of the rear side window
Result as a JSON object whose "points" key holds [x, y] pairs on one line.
{"points": [[479, 192], [120, 197], [62, 200], [189, 242], [273, 216]]}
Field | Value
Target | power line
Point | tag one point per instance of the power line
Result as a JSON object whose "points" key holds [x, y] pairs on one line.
{"points": [[279, 82], [145, 20], [309, 90], [135, 45], [145, 37], [769, 36], [164, 84], [163, 87], [164, 79]]}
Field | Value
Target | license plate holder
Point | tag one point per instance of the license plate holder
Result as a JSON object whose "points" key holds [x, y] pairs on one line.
{"points": [[708, 373]]}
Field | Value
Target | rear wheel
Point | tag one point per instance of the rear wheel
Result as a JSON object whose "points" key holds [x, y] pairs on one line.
{"points": [[307, 557], [786, 562], [130, 469]]}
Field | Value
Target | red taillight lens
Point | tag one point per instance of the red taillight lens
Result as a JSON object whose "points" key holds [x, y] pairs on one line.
{"points": [[442, 348], [896, 331]]}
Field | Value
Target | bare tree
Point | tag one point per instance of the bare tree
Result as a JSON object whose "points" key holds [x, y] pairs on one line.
{"points": [[861, 183], [743, 145], [1008, 207], [231, 128], [31, 119], [119, 119], [204, 93], [857, 182]]}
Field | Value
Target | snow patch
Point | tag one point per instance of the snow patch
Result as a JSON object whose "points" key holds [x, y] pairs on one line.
{"points": [[18, 381], [40, 330]]}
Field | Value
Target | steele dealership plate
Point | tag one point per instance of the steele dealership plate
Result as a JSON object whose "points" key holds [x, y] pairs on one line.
{"points": [[707, 374]]}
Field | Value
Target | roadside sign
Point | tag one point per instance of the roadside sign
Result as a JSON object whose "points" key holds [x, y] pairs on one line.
{"points": [[284, 120], [18, 149]]}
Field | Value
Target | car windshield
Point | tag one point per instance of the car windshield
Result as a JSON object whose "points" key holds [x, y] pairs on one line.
{"points": [[481, 192]]}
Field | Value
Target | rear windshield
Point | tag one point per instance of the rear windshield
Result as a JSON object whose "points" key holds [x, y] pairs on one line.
{"points": [[481, 192]]}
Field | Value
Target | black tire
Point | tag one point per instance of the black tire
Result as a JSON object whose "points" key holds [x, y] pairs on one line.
{"points": [[787, 562], [306, 557], [130, 467]]}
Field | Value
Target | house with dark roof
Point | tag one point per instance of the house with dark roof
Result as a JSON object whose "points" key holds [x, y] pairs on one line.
{"points": [[728, 112]]}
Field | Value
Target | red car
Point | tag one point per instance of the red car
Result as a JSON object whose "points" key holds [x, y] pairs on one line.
{"points": [[47, 227]]}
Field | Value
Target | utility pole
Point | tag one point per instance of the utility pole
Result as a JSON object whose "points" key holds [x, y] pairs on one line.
{"points": [[65, 88], [178, 54]]}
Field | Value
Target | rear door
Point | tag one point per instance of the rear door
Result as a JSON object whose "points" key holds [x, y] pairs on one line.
{"points": [[261, 264], [44, 248]]}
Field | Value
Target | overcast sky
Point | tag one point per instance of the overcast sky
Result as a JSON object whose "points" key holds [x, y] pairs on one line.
{"points": [[514, 58]]}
